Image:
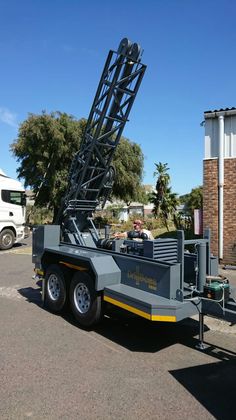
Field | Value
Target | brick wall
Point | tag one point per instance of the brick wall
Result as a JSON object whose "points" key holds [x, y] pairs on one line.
{"points": [[230, 210], [210, 206], [210, 200]]}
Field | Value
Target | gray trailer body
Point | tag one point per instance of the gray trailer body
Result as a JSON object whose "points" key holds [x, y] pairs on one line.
{"points": [[148, 286], [156, 279]]}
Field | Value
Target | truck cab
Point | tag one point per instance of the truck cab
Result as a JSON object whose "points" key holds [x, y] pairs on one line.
{"points": [[12, 211]]}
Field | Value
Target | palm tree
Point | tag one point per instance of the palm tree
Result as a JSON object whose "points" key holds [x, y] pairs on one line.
{"points": [[164, 200], [163, 178], [162, 182], [168, 206]]}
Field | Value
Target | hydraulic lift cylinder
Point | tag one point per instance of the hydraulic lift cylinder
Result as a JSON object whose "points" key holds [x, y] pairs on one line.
{"points": [[201, 279], [107, 231]]}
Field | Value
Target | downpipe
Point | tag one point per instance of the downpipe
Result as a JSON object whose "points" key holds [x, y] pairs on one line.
{"points": [[221, 186]]}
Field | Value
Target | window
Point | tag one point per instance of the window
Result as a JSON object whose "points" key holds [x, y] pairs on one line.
{"points": [[14, 197]]}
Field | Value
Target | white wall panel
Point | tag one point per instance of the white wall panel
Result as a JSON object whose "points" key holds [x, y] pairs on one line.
{"points": [[212, 137]]}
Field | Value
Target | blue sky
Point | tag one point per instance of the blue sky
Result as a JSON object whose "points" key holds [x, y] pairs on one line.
{"points": [[53, 52]]}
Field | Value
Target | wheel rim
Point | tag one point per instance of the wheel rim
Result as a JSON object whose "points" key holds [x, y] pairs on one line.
{"points": [[7, 239], [54, 288], [82, 298]]}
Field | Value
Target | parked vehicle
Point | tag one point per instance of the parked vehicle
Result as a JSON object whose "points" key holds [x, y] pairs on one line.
{"points": [[12, 211]]}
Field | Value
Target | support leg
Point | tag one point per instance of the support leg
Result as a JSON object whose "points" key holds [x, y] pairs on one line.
{"points": [[201, 345], [43, 292]]}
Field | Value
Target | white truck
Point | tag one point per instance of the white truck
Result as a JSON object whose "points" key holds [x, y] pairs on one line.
{"points": [[12, 211]]}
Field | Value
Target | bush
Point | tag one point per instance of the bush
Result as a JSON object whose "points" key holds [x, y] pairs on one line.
{"points": [[38, 215]]}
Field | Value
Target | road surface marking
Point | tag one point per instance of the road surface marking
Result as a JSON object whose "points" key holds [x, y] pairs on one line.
{"points": [[11, 292], [19, 251]]}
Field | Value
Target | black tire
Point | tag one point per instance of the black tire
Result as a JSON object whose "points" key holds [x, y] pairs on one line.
{"points": [[55, 289], [7, 239], [86, 303]]}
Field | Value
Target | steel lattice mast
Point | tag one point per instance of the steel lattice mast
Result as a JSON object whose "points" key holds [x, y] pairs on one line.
{"points": [[91, 174]]}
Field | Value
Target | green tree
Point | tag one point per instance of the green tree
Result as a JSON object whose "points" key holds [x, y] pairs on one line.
{"points": [[45, 147], [163, 178], [128, 163], [142, 196], [164, 200], [192, 201]]}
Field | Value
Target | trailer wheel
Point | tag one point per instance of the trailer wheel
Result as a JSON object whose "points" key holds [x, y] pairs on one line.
{"points": [[86, 303], [55, 288], [7, 239]]}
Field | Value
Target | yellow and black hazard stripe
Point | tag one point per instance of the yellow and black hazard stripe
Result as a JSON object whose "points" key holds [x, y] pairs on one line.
{"points": [[150, 317]]}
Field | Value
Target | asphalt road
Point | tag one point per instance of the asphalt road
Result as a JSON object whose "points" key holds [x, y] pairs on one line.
{"points": [[126, 368]]}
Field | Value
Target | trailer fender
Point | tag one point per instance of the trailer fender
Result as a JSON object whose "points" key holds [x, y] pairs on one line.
{"points": [[106, 271], [104, 268]]}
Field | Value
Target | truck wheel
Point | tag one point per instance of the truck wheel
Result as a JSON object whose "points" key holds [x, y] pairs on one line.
{"points": [[55, 288], [86, 303], [7, 239]]}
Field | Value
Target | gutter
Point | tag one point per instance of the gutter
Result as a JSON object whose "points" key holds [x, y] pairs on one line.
{"points": [[216, 114]]}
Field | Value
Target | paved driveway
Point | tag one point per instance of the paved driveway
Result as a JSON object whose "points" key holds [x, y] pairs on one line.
{"points": [[126, 368]]}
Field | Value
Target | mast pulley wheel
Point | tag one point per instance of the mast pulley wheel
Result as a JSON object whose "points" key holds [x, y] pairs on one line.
{"points": [[131, 50]]}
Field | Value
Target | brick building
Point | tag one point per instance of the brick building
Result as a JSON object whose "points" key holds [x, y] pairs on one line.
{"points": [[219, 182]]}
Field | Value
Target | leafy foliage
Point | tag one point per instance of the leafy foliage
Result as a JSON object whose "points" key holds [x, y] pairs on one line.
{"points": [[128, 163], [163, 178], [38, 215], [193, 200], [45, 147], [164, 200]]}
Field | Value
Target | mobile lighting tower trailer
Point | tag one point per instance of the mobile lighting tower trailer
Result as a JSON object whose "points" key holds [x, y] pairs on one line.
{"points": [[155, 279]]}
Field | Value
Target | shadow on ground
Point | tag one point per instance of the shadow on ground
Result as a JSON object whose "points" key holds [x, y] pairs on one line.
{"points": [[128, 330], [213, 385], [32, 294], [135, 333]]}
